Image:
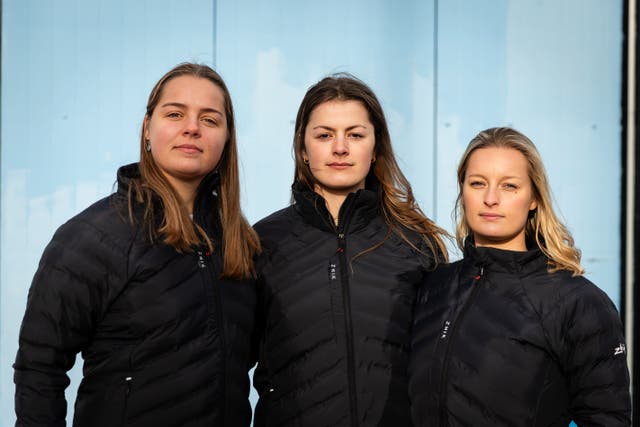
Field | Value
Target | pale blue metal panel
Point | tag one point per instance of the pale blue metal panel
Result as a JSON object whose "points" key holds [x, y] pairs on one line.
{"points": [[271, 52], [75, 77], [552, 70]]}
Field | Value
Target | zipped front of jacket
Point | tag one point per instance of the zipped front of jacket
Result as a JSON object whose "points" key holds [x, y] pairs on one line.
{"points": [[214, 302], [450, 335], [344, 219]]}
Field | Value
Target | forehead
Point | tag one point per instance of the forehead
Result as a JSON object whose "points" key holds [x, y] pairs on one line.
{"points": [[336, 110], [498, 160], [196, 89]]}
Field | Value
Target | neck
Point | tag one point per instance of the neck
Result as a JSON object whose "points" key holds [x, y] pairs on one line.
{"points": [[334, 201], [186, 193]]}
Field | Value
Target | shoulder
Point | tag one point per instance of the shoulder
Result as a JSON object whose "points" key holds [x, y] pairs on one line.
{"points": [[444, 273], [442, 276], [104, 224], [574, 312], [581, 297], [275, 224], [573, 294]]}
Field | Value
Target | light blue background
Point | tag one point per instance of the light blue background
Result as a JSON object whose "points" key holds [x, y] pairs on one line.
{"points": [[76, 74]]}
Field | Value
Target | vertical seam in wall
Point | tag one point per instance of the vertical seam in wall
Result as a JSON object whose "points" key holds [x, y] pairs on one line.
{"points": [[435, 112], [214, 59], [1, 212]]}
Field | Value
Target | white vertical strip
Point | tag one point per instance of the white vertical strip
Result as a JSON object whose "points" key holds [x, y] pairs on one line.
{"points": [[631, 173]]}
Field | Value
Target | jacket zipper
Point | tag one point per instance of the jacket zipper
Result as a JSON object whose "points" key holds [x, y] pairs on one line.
{"points": [[215, 302], [346, 300], [450, 340], [127, 390]]}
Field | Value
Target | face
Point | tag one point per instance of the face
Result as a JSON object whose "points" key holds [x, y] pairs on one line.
{"points": [[497, 196], [188, 129], [339, 141]]}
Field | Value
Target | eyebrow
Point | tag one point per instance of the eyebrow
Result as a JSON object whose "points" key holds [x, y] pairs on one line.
{"points": [[479, 175], [332, 129], [181, 105]]}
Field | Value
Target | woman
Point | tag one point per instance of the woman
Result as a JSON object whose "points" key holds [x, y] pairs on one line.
{"points": [[513, 334], [340, 270], [153, 284]]}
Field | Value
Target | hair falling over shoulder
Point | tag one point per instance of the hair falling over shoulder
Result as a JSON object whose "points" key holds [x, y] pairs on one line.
{"points": [[399, 206], [543, 225], [240, 242]]}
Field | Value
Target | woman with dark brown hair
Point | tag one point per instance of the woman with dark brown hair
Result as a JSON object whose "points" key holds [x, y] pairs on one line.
{"points": [[154, 284], [340, 269]]}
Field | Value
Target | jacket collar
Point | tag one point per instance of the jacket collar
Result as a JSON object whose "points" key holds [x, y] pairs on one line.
{"points": [[206, 202], [499, 260], [356, 212]]}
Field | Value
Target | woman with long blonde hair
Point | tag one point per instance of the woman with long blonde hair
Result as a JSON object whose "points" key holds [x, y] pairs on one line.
{"points": [[513, 334]]}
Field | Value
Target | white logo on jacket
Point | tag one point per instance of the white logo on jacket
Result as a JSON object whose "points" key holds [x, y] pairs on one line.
{"points": [[621, 349], [445, 329]]}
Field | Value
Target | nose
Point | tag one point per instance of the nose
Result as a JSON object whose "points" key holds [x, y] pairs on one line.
{"points": [[340, 147], [491, 196], [191, 126]]}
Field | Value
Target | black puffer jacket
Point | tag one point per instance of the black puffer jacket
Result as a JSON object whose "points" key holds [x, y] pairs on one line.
{"points": [[336, 345], [499, 341], [165, 342]]}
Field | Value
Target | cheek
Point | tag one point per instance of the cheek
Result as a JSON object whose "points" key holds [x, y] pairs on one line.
{"points": [[314, 152]]}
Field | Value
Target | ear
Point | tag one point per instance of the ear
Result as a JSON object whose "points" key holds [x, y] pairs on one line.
{"points": [[145, 127], [303, 152], [533, 205]]}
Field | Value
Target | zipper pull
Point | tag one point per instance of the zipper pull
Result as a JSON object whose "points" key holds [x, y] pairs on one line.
{"points": [[128, 382], [340, 242], [479, 276]]}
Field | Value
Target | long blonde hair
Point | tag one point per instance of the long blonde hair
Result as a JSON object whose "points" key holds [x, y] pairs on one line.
{"points": [[239, 240], [399, 206], [543, 225]]}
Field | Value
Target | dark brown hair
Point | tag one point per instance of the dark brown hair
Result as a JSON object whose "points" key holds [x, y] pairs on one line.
{"points": [[398, 203]]}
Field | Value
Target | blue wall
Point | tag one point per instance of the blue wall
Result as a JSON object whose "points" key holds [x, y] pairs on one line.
{"points": [[75, 78]]}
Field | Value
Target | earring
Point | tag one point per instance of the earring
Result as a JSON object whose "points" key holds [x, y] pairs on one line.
{"points": [[147, 146], [306, 161]]}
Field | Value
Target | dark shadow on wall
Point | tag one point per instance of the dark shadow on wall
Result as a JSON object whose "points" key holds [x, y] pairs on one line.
{"points": [[630, 224]]}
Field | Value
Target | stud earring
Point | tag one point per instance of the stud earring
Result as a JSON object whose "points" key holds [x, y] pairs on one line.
{"points": [[148, 145]]}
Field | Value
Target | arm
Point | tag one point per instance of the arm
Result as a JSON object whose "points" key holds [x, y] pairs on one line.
{"points": [[595, 359], [65, 302]]}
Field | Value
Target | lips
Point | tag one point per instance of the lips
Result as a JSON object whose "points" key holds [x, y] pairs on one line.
{"points": [[490, 216], [189, 148], [339, 165]]}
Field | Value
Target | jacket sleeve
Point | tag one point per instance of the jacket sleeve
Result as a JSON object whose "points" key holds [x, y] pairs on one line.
{"points": [[67, 297], [595, 358]]}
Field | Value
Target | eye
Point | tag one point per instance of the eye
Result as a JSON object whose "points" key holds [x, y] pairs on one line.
{"points": [[323, 136], [174, 115], [476, 184], [356, 136], [210, 121], [510, 186]]}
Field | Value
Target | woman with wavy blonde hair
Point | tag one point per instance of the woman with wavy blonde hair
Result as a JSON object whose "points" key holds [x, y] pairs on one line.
{"points": [[340, 269], [513, 334], [543, 226]]}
